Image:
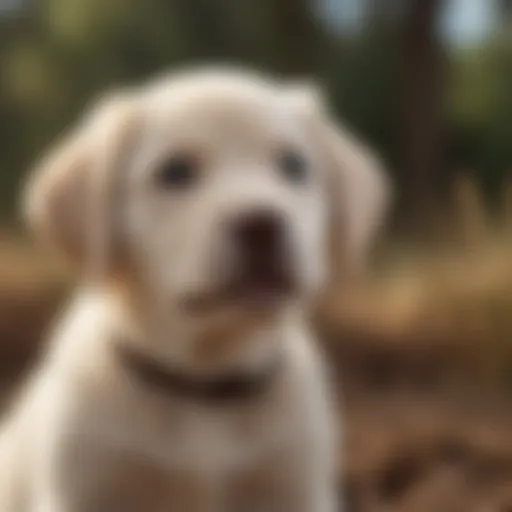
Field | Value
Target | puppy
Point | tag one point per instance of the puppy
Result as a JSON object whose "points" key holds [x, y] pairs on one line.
{"points": [[204, 212]]}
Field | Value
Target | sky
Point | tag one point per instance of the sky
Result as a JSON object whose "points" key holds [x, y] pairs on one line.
{"points": [[463, 22], [469, 21]]}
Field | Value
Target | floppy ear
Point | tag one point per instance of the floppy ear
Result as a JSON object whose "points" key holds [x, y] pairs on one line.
{"points": [[358, 187], [360, 194], [69, 200]]}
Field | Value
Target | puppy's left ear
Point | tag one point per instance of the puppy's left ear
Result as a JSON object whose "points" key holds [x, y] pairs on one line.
{"points": [[358, 187]]}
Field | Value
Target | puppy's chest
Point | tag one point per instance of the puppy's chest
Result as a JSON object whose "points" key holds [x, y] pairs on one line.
{"points": [[211, 439]]}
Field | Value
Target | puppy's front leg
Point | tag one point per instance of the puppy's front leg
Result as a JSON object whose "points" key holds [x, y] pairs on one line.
{"points": [[46, 502], [301, 488], [306, 495]]}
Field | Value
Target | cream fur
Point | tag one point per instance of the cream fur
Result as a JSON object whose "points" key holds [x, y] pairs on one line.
{"points": [[83, 436]]}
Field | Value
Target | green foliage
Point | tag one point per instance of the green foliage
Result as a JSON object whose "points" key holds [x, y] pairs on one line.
{"points": [[480, 110], [57, 56], [365, 87]]}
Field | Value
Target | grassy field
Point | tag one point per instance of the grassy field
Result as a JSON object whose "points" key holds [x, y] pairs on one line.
{"points": [[423, 349]]}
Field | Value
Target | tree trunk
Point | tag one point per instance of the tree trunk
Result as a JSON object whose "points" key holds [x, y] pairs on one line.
{"points": [[506, 6], [506, 12], [422, 112]]}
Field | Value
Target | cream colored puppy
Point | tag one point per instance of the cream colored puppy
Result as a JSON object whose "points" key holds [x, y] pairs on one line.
{"points": [[203, 210]]}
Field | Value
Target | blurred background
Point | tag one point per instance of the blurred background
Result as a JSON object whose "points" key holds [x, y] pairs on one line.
{"points": [[423, 342]]}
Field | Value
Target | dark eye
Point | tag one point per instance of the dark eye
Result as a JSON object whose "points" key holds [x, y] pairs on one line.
{"points": [[180, 171], [293, 166]]}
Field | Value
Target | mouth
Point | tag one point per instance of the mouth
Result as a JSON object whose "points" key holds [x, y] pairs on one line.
{"points": [[258, 290]]}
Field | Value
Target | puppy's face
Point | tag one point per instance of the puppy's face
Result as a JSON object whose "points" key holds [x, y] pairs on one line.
{"points": [[218, 190], [224, 198]]}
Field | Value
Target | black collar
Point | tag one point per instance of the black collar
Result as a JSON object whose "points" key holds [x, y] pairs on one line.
{"points": [[233, 387]]}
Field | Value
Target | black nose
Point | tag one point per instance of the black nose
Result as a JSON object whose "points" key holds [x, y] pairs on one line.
{"points": [[259, 236]]}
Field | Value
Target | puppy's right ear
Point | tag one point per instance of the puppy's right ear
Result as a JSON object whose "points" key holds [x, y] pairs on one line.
{"points": [[69, 197]]}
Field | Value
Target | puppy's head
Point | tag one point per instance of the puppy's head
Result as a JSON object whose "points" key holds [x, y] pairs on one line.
{"points": [[216, 189]]}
